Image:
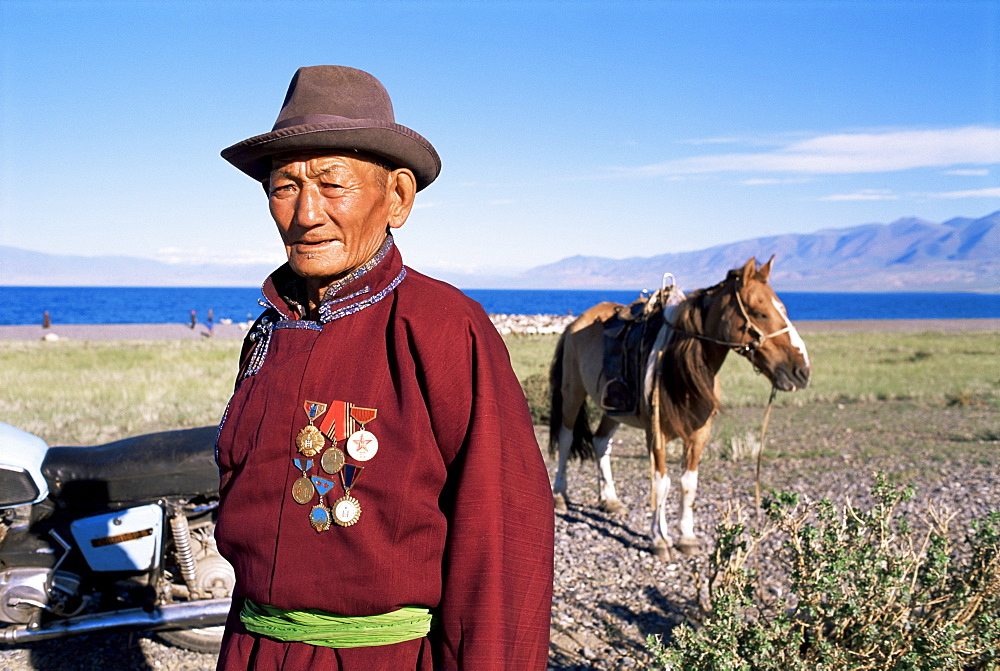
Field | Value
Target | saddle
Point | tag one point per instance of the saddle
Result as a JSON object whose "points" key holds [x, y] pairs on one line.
{"points": [[629, 339]]}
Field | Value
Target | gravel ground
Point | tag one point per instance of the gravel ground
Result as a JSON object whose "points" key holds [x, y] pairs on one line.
{"points": [[610, 592]]}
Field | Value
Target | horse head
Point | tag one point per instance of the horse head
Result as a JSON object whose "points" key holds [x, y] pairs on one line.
{"points": [[758, 325]]}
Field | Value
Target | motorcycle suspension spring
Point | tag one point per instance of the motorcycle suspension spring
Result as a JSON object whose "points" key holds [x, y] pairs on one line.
{"points": [[185, 557]]}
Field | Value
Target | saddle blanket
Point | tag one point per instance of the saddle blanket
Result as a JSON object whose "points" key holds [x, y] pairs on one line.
{"points": [[630, 337]]}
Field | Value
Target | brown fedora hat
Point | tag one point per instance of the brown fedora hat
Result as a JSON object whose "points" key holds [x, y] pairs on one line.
{"points": [[336, 107]]}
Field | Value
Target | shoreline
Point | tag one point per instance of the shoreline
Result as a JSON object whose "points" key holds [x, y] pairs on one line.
{"points": [[514, 324]]}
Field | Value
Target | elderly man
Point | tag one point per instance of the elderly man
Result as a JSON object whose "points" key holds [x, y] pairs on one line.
{"points": [[384, 502]]}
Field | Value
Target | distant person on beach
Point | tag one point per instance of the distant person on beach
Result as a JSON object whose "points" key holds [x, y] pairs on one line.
{"points": [[46, 320], [384, 501], [210, 323], [194, 319]]}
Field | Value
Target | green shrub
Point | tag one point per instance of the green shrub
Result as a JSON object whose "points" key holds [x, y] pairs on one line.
{"points": [[863, 589], [536, 391]]}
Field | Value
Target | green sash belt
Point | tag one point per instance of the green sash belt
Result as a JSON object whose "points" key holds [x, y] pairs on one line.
{"points": [[317, 627]]}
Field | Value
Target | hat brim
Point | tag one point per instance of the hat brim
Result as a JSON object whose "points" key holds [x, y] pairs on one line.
{"points": [[400, 145]]}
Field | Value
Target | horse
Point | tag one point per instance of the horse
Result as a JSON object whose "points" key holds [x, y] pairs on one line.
{"points": [[680, 388]]}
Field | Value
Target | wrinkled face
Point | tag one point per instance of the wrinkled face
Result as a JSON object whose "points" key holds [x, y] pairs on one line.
{"points": [[332, 212], [782, 358]]}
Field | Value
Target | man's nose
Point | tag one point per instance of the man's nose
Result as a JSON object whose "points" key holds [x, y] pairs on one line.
{"points": [[309, 208]]}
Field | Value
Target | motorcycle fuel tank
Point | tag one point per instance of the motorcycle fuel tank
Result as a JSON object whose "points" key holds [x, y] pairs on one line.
{"points": [[21, 457], [124, 540]]}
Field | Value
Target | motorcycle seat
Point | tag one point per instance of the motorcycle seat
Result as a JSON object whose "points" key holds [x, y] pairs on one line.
{"points": [[140, 468]]}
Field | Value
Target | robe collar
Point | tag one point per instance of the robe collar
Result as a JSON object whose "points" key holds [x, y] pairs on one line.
{"points": [[285, 292]]}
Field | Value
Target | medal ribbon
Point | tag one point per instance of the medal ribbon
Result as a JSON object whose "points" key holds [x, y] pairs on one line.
{"points": [[350, 474], [322, 484]]}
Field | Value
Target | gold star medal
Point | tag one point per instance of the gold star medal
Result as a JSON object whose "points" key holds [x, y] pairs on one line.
{"points": [[347, 509], [310, 440], [362, 445]]}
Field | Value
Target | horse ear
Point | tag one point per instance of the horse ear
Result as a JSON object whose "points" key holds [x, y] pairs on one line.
{"points": [[764, 271], [748, 269]]}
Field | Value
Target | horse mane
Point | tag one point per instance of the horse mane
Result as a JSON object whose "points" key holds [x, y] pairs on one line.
{"points": [[687, 381]]}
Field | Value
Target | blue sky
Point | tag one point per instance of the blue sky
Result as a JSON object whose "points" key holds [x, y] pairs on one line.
{"points": [[599, 128]]}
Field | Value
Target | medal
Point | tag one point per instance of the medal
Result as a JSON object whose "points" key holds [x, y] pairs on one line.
{"points": [[310, 440], [362, 445], [333, 458], [347, 509], [319, 518], [302, 488]]}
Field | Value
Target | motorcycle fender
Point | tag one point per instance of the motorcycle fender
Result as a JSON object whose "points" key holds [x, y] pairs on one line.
{"points": [[21, 457], [126, 540]]}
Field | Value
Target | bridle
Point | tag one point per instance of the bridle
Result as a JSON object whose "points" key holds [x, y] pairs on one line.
{"points": [[750, 328]]}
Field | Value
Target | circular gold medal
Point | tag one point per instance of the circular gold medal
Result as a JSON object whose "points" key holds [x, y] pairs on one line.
{"points": [[310, 441], [332, 460], [346, 511], [362, 445], [303, 490]]}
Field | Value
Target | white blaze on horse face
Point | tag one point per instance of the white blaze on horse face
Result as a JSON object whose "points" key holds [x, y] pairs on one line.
{"points": [[797, 341], [658, 531], [689, 487]]}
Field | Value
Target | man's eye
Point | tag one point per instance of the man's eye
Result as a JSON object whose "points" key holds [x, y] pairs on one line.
{"points": [[331, 185], [280, 190]]}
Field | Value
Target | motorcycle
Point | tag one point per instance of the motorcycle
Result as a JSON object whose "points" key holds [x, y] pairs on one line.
{"points": [[112, 537]]}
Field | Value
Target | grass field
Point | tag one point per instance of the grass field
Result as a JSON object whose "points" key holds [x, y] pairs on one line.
{"points": [[78, 392]]}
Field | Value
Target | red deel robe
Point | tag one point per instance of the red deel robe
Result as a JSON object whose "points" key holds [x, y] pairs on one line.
{"points": [[456, 506]]}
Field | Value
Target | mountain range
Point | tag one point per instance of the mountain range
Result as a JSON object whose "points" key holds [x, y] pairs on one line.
{"points": [[910, 254]]}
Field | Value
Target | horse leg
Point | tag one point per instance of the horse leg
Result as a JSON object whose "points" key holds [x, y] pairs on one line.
{"points": [[689, 542], [606, 495], [658, 496], [559, 497]]}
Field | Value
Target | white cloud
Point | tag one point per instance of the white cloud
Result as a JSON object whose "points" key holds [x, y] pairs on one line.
{"points": [[200, 255], [770, 181], [849, 153], [864, 194], [968, 173], [993, 192]]}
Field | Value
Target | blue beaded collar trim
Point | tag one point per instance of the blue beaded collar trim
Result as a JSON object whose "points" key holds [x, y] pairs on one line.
{"points": [[328, 309]]}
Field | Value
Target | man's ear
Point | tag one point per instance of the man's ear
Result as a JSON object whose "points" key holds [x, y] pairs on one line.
{"points": [[402, 189]]}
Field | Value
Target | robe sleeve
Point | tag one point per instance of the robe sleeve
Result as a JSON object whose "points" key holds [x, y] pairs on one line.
{"points": [[497, 565]]}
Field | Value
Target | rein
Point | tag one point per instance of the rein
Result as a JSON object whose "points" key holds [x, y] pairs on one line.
{"points": [[760, 453]]}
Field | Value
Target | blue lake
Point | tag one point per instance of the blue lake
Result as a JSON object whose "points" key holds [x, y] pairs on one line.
{"points": [[142, 305]]}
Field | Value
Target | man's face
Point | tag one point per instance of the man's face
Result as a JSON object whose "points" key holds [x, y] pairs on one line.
{"points": [[331, 210]]}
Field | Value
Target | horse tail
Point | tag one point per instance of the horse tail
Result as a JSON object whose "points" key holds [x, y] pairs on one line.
{"points": [[583, 438], [555, 394]]}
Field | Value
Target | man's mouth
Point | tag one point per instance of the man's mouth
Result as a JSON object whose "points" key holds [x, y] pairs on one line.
{"points": [[314, 245]]}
